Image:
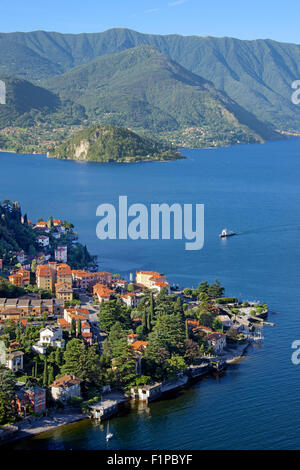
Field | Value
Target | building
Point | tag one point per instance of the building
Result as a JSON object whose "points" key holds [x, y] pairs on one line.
{"points": [[14, 360], [86, 280], [66, 387], [15, 309], [61, 254], [152, 280], [41, 224], [63, 292], [34, 397], [20, 278], [1, 264], [64, 274], [217, 341], [131, 338], [44, 277], [51, 336], [16, 279], [76, 314], [102, 293], [10, 314], [86, 333], [225, 320], [43, 240], [130, 299], [21, 257]]}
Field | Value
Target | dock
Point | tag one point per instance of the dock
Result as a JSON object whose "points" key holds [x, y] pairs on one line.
{"points": [[108, 406]]}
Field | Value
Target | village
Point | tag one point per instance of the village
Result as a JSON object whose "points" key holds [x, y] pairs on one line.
{"points": [[85, 341]]}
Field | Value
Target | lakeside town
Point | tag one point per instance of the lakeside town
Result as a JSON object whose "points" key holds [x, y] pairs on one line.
{"points": [[76, 342]]}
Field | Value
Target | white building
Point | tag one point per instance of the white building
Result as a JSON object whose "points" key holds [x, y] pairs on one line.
{"points": [[61, 254], [43, 240], [217, 341], [14, 360], [51, 336], [66, 387], [130, 299], [225, 320]]}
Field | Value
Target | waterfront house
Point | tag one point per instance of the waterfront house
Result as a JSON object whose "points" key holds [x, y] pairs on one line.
{"points": [[34, 397], [147, 392], [152, 280], [66, 387], [225, 320], [217, 341]]}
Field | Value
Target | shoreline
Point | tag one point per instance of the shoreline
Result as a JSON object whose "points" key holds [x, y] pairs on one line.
{"points": [[49, 423], [44, 424]]}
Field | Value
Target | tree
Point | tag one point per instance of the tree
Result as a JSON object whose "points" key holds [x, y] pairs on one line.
{"points": [[111, 312], [58, 357], [73, 327], [192, 351], [130, 288], [79, 328], [33, 266], [215, 290], [45, 373], [75, 359], [7, 395], [50, 223], [50, 375]]}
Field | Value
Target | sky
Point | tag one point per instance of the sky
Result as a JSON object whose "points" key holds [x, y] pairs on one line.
{"points": [[242, 19]]}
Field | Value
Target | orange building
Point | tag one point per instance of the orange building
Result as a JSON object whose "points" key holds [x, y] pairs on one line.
{"points": [[44, 277]]}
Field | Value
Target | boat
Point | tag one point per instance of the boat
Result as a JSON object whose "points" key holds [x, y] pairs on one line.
{"points": [[109, 435], [226, 233]]}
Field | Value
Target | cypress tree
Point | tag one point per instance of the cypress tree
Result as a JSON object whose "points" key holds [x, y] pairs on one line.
{"points": [[45, 373], [50, 375], [151, 308], [73, 327], [186, 330], [79, 328]]}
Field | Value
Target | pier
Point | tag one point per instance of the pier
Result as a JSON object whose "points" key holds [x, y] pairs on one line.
{"points": [[108, 406]]}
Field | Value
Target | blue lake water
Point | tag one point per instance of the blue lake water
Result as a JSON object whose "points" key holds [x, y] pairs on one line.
{"points": [[251, 189]]}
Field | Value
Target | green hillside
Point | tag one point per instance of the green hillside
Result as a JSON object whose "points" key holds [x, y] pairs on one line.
{"points": [[142, 89], [256, 74], [111, 143], [28, 104]]}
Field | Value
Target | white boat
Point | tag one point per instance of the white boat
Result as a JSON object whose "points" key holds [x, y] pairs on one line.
{"points": [[226, 233], [109, 435]]}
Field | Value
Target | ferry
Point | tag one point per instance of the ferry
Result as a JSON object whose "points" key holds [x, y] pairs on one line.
{"points": [[226, 233]]}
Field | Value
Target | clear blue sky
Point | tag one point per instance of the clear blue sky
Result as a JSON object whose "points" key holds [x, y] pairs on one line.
{"points": [[250, 19]]}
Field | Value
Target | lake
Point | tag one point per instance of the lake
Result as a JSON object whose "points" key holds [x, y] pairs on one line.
{"points": [[251, 189]]}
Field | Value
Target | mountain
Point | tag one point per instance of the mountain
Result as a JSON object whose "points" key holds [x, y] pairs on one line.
{"points": [[23, 101], [28, 104], [256, 74], [145, 90], [112, 143]]}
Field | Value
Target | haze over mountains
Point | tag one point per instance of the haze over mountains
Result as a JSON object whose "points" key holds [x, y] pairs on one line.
{"points": [[163, 84]]}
